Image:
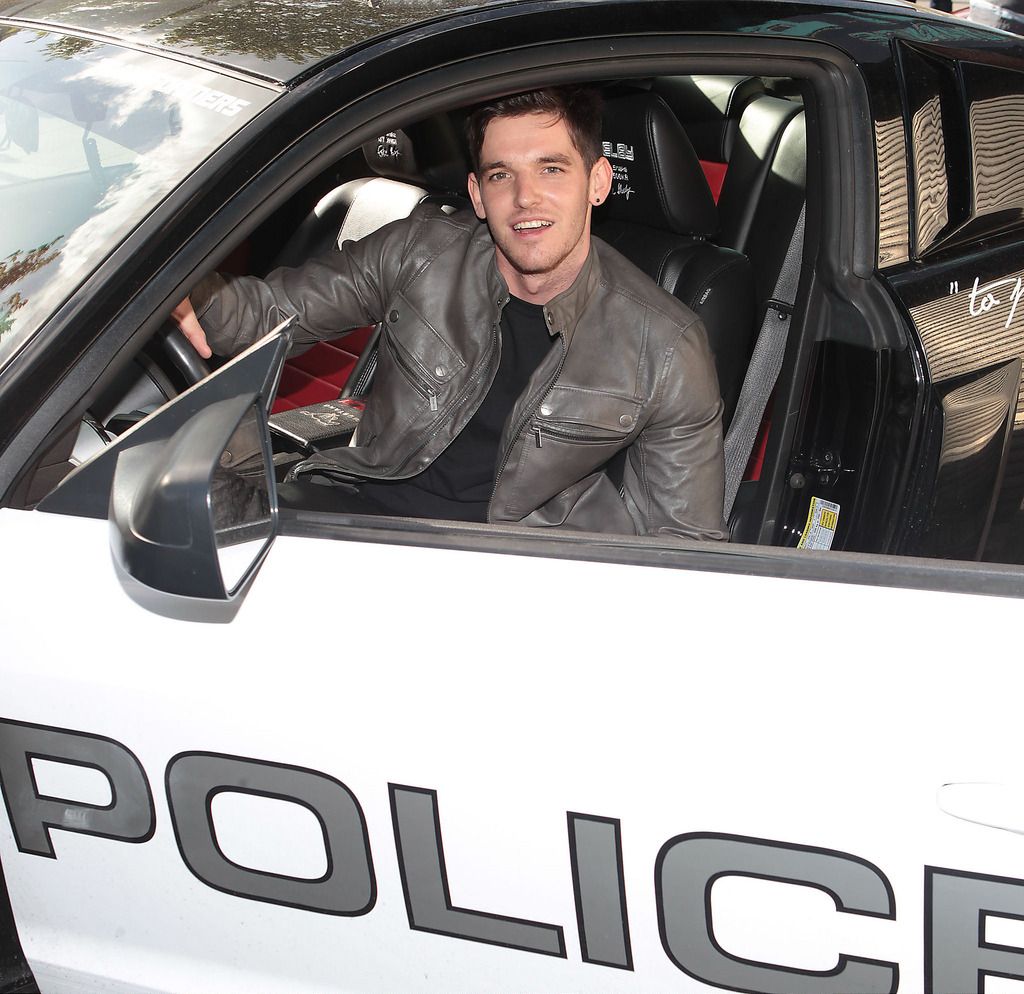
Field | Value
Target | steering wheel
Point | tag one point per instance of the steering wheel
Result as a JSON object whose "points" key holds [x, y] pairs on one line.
{"points": [[167, 365], [172, 345]]}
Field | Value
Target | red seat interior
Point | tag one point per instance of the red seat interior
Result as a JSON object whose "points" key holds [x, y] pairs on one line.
{"points": [[715, 174], [320, 373]]}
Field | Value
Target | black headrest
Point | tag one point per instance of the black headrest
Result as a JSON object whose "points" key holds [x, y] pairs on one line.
{"points": [[709, 108], [657, 179], [428, 153]]}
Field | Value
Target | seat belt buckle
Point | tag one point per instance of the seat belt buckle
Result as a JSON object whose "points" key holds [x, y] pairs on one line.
{"points": [[783, 311]]}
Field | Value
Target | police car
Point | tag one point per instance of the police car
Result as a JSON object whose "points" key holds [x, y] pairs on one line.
{"points": [[252, 745]]}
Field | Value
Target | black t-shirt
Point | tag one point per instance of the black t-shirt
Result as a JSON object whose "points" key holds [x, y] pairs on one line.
{"points": [[457, 485]]}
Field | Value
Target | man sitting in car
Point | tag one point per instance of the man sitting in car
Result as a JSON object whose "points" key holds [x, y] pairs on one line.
{"points": [[517, 357]]}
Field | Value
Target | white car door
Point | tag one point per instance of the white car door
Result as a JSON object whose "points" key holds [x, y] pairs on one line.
{"points": [[417, 760]]}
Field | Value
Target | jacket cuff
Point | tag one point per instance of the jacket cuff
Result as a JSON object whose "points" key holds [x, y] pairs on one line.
{"points": [[207, 298], [203, 293]]}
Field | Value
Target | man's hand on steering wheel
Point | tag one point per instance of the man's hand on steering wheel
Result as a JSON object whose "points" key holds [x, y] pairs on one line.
{"points": [[185, 318]]}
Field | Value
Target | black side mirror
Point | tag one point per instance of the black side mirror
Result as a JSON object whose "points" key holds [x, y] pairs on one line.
{"points": [[175, 508], [189, 491]]}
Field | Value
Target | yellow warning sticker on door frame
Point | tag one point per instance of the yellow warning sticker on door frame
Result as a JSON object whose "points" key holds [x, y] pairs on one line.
{"points": [[822, 521]]}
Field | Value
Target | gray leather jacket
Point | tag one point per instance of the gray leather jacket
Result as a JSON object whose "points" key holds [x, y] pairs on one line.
{"points": [[631, 369]]}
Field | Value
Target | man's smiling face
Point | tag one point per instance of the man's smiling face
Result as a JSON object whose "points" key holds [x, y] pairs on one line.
{"points": [[536, 194]]}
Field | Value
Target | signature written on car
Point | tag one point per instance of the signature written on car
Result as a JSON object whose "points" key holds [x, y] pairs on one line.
{"points": [[1006, 292]]}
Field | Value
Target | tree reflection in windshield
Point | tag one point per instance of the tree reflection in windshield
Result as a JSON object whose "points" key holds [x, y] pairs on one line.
{"points": [[271, 37], [282, 29], [13, 270], [67, 47]]}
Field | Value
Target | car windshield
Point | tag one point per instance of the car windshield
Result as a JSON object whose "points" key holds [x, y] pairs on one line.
{"points": [[92, 138]]}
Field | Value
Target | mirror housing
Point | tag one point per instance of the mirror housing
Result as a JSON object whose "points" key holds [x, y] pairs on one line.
{"points": [[162, 505], [189, 491]]}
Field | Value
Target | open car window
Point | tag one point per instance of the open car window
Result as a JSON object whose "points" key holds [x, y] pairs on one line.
{"points": [[425, 160], [850, 389]]}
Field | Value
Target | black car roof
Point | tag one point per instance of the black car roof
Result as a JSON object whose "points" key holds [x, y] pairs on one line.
{"points": [[275, 39], [280, 40]]}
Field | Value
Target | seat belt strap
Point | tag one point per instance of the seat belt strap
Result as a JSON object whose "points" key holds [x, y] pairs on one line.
{"points": [[764, 367]]}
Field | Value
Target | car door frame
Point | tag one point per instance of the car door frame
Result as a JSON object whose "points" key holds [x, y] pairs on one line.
{"points": [[844, 183]]}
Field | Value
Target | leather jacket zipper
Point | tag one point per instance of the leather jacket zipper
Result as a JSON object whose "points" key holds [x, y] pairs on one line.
{"points": [[524, 420], [313, 465], [412, 376], [579, 434], [458, 401]]}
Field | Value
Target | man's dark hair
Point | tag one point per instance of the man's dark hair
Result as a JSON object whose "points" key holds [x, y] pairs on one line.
{"points": [[580, 107]]}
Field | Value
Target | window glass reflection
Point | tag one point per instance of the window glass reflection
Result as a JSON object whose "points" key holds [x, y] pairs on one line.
{"points": [[92, 138]]}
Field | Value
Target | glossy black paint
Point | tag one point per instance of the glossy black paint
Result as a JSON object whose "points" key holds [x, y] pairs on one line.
{"points": [[941, 473], [967, 499], [965, 211], [277, 40], [878, 409]]}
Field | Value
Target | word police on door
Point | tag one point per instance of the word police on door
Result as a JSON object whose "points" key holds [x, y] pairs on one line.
{"points": [[685, 869]]}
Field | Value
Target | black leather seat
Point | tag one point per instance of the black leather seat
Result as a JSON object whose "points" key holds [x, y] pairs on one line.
{"points": [[425, 162], [765, 187], [709, 108], [759, 205], [660, 215]]}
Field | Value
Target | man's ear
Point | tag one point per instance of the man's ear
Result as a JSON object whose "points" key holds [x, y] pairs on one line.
{"points": [[600, 181], [474, 196]]}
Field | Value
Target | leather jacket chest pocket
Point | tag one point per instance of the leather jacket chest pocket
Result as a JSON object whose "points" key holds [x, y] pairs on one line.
{"points": [[585, 418], [418, 351]]}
